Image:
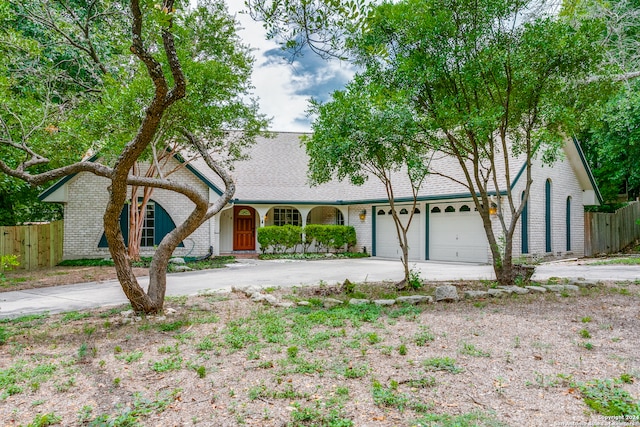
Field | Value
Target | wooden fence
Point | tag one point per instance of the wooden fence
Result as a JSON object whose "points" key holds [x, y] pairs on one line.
{"points": [[37, 245], [607, 233]]}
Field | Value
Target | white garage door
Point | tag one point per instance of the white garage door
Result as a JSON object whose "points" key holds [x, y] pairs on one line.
{"points": [[456, 233], [387, 244]]}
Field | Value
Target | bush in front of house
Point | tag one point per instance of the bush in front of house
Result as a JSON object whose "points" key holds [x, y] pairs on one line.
{"points": [[280, 239]]}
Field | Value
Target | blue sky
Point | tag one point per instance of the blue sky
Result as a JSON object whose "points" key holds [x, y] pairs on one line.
{"points": [[284, 88]]}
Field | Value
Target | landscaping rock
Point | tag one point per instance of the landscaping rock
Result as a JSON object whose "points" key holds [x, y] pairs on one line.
{"points": [[446, 293], [177, 260], [181, 268], [247, 290], [169, 311], [572, 288], [515, 289], [284, 304], [554, 288], [475, 294], [257, 297], [583, 283], [384, 302], [496, 292], [356, 301], [331, 302], [536, 288], [415, 299], [303, 303], [271, 299]]}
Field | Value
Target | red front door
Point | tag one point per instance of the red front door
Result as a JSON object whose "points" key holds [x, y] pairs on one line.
{"points": [[244, 227]]}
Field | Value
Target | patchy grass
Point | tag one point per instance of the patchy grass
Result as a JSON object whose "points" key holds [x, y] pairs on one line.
{"points": [[242, 363], [632, 260]]}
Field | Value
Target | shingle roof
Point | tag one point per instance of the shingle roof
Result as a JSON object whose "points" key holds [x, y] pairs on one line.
{"points": [[276, 171]]}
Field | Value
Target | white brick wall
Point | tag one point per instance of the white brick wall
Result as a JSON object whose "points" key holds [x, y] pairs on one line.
{"points": [[563, 184], [83, 216]]}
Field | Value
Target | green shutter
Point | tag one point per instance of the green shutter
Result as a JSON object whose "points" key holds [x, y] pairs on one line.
{"points": [[547, 215], [163, 225], [124, 227], [524, 221]]}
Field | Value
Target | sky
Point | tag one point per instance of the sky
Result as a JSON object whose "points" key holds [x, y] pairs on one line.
{"points": [[284, 88]]}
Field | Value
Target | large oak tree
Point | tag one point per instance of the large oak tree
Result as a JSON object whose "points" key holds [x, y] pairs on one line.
{"points": [[123, 79]]}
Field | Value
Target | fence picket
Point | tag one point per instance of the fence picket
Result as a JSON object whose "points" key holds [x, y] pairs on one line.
{"points": [[37, 245], [607, 233]]}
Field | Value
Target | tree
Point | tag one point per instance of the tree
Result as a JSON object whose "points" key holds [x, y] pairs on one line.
{"points": [[369, 130], [484, 80], [76, 86], [609, 130]]}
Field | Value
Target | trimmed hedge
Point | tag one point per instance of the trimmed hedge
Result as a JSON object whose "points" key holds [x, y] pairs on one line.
{"points": [[280, 239]]}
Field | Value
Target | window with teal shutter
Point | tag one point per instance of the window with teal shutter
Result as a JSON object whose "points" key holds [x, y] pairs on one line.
{"points": [[157, 224]]}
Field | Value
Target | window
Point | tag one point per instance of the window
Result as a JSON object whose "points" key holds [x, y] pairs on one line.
{"points": [[450, 209], [381, 212], [465, 208], [436, 210], [339, 217], [416, 211], [286, 216], [149, 226], [403, 211], [157, 223]]}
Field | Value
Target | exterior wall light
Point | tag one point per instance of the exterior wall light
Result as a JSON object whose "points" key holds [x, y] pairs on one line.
{"points": [[493, 209], [363, 214]]}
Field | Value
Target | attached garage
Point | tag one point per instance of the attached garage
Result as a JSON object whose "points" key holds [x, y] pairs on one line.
{"points": [[387, 244], [456, 233]]}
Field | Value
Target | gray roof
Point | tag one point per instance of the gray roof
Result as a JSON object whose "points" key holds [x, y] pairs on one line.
{"points": [[276, 172]]}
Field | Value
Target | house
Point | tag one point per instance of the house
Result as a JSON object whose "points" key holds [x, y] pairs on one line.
{"points": [[272, 189]]}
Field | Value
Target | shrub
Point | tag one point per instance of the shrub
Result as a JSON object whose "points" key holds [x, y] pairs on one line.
{"points": [[276, 238], [334, 237]]}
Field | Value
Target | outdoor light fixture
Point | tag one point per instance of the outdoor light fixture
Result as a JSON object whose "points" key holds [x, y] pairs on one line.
{"points": [[363, 214], [493, 209]]}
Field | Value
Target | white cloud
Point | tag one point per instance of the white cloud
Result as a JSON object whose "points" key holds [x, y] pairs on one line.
{"points": [[284, 89]]}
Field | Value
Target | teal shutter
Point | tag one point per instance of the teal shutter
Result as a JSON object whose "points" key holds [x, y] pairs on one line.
{"points": [[568, 223], [124, 227], [547, 215], [162, 226], [524, 221]]}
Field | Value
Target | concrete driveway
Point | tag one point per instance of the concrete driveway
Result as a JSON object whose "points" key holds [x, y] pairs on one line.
{"points": [[280, 273]]}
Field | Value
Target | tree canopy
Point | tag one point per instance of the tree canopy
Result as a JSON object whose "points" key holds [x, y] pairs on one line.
{"points": [[124, 80]]}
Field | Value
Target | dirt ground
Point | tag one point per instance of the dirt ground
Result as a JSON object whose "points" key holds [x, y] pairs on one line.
{"points": [[20, 279], [223, 360]]}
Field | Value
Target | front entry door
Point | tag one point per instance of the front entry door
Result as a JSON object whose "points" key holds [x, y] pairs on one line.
{"points": [[244, 227]]}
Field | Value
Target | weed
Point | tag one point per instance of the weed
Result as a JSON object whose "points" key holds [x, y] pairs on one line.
{"points": [[74, 315], [471, 350], [626, 378], [415, 281], [402, 350], [442, 364], [117, 381], [172, 326], [43, 420], [423, 336], [426, 382], [588, 346], [586, 319], [373, 338], [205, 345], [292, 352], [201, 371], [172, 363], [389, 397], [585, 333], [606, 397], [358, 371], [473, 419], [134, 356]]}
